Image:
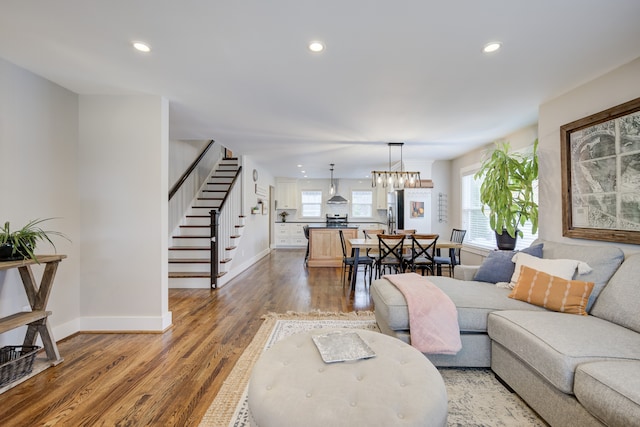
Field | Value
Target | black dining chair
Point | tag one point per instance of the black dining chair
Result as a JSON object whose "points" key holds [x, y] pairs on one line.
{"points": [[306, 235], [349, 262], [423, 251], [390, 247], [457, 236]]}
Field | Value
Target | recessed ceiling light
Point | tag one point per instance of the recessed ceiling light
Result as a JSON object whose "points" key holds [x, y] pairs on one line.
{"points": [[316, 47], [142, 47], [491, 47]]}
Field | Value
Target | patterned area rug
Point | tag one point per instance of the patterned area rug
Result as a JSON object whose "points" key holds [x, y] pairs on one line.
{"points": [[476, 398]]}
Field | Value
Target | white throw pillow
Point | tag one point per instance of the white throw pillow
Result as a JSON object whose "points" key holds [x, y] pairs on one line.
{"points": [[564, 268]]}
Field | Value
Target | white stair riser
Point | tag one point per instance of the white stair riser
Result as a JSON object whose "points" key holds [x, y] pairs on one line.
{"points": [[189, 282], [199, 221], [215, 187], [189, 254], [189, 268], [199, 231], [198, 241]]}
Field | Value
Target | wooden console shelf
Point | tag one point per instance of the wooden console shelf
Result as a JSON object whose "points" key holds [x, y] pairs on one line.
{"points": [[37, 319]]}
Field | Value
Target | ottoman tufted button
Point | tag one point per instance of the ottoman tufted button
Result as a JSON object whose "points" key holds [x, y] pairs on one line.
{"points": [[309, 394], [353, 404]]}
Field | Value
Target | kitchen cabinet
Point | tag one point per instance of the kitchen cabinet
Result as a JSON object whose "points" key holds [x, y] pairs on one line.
{"points": [[381, 197], [290, 234], [287, 195]]}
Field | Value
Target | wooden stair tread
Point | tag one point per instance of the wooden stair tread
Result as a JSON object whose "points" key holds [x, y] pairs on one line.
{"points": [[189, 261], [187, 275], [189, 248]]}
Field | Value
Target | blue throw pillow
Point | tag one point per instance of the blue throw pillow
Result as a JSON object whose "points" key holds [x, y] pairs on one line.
{"points": [[498, 267]]}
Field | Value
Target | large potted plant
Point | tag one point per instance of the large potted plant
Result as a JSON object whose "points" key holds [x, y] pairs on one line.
{"points": [[507, 192], [21, 243]]}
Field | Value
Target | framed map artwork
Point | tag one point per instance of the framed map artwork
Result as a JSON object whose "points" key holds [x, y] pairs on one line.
{"points": [[601, 175]]}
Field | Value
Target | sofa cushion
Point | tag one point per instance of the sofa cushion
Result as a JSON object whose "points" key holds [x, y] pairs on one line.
{"points": [[498, 266], [473, 300], [554, 344], [603, 260], [620, 299], [564, 268], [610, 391], [551, 292]]}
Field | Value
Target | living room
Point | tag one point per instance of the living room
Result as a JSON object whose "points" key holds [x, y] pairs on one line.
{"points": [[95, 162]]}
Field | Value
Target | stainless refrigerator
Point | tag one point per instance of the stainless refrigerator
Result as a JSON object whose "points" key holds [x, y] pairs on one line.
{"points": [[409, 209]]}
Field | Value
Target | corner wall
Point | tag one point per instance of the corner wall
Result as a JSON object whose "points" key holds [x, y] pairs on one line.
{"points": [[123, 150], [39, 179]]}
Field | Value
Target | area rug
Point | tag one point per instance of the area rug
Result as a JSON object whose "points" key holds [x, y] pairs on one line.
{"points": [[476, 398]]}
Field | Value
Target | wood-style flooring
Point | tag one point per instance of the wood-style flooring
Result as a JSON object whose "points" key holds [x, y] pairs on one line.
{"points": [[170, 379]]}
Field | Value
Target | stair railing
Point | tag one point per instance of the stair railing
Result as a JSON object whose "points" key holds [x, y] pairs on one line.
{"points": [[228, 214], [188, 185]]}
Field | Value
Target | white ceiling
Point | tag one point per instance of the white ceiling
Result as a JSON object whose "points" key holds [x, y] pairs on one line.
{"points": [[239, 71]]}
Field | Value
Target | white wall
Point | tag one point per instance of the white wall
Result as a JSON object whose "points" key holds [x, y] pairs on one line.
{"points": [[39, 179], [123, 164], [255, 242], [614, 88]]}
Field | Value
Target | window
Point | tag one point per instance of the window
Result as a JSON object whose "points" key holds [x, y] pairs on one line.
{"points": [[362, 204], [476, 223], [311, 203]]}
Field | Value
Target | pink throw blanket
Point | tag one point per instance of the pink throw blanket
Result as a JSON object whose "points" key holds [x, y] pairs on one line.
{"points": [[433, 317]]}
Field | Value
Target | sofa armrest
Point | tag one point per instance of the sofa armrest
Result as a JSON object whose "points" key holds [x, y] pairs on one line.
{"points": [[465, 272]]}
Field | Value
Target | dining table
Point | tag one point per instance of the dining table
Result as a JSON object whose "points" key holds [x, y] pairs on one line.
{"points": [[372, 243]]}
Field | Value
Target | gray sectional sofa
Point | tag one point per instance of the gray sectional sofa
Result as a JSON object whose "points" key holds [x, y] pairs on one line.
{"points": [[573, 370]]}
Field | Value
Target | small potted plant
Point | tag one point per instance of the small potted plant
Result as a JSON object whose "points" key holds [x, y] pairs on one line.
{"points": [[284, 215], [21, 244], [507, 192]]}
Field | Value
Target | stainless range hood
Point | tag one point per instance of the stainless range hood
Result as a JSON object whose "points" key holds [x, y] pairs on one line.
{"points": [[336, 199]]}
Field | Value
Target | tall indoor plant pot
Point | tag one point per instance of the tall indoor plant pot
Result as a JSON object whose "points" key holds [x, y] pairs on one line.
{"points": [[507, 192]]}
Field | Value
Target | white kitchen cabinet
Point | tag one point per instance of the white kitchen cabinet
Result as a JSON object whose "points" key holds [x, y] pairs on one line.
{"points": [[290, 234], [381, 197], [287, 195]]}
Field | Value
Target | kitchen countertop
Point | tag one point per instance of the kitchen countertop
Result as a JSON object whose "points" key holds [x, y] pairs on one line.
{"points": [[322, 225]]}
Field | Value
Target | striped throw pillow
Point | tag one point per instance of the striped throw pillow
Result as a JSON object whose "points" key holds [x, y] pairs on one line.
{"points": [[552, 292]]}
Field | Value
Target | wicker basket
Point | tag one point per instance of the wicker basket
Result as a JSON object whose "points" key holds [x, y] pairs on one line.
{"points": [[16, 361]]}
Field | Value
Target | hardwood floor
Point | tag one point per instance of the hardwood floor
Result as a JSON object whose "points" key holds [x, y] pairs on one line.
{"points": [[170, 379]]}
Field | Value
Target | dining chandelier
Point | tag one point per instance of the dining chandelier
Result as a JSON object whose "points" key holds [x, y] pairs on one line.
{"points": [[395, 179]]}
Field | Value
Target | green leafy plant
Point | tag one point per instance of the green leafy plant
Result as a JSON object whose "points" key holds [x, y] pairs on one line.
{"points": [[283, 215], [22, 243], [507, 190]]}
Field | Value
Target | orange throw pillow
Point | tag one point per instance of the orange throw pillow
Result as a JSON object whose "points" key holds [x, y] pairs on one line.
{"points": [[552, 292]]}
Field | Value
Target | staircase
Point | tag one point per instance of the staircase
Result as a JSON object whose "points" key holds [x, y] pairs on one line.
{"points": [[190, 250]]}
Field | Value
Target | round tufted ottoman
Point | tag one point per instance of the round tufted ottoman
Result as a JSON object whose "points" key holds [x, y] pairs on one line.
{"points": [[292, 386]]}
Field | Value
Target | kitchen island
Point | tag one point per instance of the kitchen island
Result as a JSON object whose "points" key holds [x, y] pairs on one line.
{"points": [[325, 249]]}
